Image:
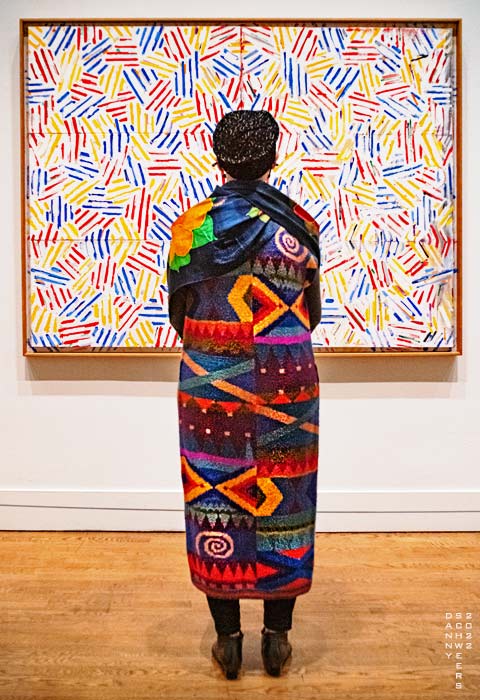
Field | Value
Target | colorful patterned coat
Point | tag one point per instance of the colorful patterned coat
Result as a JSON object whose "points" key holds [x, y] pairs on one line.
{"points": [[248, 407]]}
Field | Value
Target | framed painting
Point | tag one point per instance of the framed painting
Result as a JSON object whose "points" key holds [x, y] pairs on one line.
{"points": [[116, 126]]}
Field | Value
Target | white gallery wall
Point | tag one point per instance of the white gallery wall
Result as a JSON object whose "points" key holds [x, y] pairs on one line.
{"points": [[91, 443]]}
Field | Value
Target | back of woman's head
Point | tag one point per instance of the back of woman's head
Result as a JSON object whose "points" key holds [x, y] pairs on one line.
{"points": [[244, 142]]}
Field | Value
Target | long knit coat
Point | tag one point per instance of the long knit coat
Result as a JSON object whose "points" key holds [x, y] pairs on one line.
{"points": [[248, 408]]}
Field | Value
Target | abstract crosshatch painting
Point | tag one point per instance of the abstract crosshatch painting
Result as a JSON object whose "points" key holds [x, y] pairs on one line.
{"points": [[117, 122]]}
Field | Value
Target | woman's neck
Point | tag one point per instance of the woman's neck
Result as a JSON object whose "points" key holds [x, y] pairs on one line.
{"points": [[264, 177]]}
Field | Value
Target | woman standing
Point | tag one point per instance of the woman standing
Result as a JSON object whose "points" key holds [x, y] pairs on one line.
{"points": [[244, 296]]}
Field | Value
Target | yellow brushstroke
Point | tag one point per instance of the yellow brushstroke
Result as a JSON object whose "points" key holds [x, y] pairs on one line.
{"points": [[118, 31], [56, 122], [70, 230], [140, 145], [140, 336], [119, 80], [363, 194], [338, 291], [292, 33], [208, 83], [52, 253], [34, 310], [36, 215], [362, 255], [82, 284], [98, 124], [385, 127], [417, 249], [98, 312], [35, 38], [416, 69], [104, 310], [394, 263], [70, 69], [403, 197], [317, 186], [202, 38], [433, 255], [155, 185], [106, 80], [185, 115], [272, 80], [311, 185], [328, 285], [345, 148], [326, 186], [146, 285], [139, 287], [339, 122], [368, 35], [278, 36], [121, 251], [166, 190], [298, 121], [120, 191], [390, 149], [40, 319], [289, 166], [446, 217], [443, 42], [366, 232], [96, 147], [235, 47], [318, 67], [140, 120], [197, 166], [368, 81], [163, 66], [434, 149], [77, 192], [124, 229], [51, 150]]}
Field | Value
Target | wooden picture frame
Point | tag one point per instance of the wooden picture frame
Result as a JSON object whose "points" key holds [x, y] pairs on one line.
{"points": [[425, 324]]}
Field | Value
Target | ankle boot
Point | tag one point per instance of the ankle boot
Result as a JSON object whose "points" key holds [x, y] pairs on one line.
{"points": [[276, 649], [227, 650]]}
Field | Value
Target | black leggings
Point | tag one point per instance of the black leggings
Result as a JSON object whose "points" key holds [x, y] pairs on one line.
{"points": [[277, 614]]}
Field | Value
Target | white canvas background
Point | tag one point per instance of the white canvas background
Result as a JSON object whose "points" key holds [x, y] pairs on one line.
{"points": [[92, 442]]}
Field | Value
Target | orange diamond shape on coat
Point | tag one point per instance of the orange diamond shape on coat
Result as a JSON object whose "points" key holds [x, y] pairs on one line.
{"points": [[259, 495]]}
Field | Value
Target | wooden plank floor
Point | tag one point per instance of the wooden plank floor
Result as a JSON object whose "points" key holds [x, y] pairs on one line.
{"points": [[114, 615]]}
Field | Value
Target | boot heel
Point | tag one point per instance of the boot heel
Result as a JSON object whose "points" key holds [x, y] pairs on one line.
{"points": [[227, 650], [276, 650]]}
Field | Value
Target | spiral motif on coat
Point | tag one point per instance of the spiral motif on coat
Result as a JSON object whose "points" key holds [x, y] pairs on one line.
{"points": [[290, 245], [214, 544]]}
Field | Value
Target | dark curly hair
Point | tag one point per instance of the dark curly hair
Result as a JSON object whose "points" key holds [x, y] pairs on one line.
{"points": [[244, 142]]}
